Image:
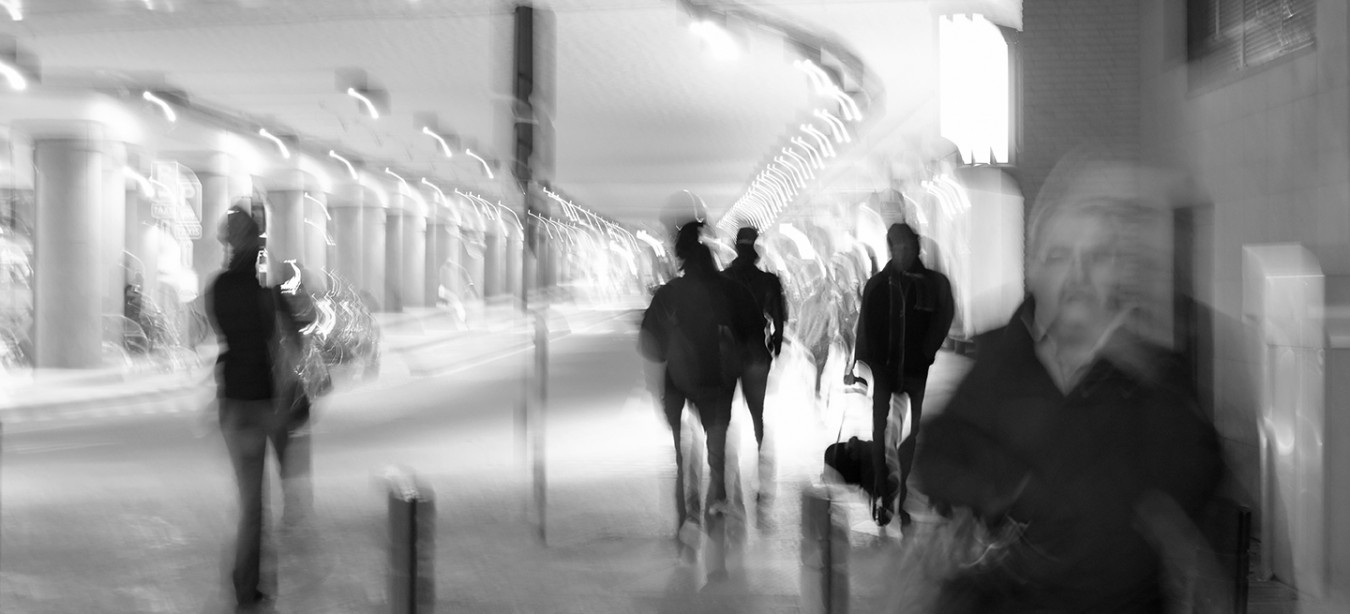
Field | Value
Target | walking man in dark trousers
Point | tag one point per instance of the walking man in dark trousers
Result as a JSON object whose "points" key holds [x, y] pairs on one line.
{"points": [[906, 313], [767, 292]]}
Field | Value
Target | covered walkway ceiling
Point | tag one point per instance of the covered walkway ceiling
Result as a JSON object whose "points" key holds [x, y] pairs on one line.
{"points": [[642, 109]]}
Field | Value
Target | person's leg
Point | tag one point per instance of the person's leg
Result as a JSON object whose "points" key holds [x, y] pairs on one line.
{"points": [[883, 388], [242, 425], [754, 384], [715, 414], [672, 404], [291, 442], [914, 387]]}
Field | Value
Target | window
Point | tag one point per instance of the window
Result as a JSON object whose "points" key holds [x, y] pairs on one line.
{"points": [[1226, 37]]}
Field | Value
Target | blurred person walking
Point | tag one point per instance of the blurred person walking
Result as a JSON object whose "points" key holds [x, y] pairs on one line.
{"points": [[248, 321], [766, 292], [906, 312], [698, 325], [1072, 429]]}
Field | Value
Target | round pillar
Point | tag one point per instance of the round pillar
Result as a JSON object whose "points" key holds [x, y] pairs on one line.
{"points": [[70, 186], [414, 284], [219, 179], [374, 235], [316, 235], [347, 231], [393, 261], [286, 222], [113, 234]]}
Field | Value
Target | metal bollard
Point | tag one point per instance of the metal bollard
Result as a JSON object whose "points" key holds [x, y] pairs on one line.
{"points": [[824, 553], [412, 545]]}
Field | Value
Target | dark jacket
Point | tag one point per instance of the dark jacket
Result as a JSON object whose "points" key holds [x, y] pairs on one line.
{"points": [[1072, 466], [926, 317], [767, 292], [243, 314], [694, 306]]}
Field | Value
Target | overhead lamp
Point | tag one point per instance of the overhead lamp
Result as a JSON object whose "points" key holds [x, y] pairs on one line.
{"points": [[150, 96], [350, 169], [716, 38], [322, 206], [806, 165], [434, 187], [811, 152], [13, 75], [445, 147], [821, 140], [395, 176], [836, 125], [14, 8], [480, 160], [370, 106], [285, 153], [777, 173], [792, 168]]}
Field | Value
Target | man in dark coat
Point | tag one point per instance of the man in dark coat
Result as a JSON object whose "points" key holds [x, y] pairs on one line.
{"points": [[906, 312], [1073, 426], [767, 293], [244, 315]]}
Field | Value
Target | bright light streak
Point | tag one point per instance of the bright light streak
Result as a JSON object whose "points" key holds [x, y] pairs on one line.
{"points": [[650, 241], [400, 179], [812, 153], [146, 188], [836, 126], [350, 169], [480, 160], [370, 106], [163, 106], [513, 214], [821, 139], [291, 285], [973, 87], [285, 153], [434, 187], [778, 174], [817, 76], [799, 239], [322, 206], [445, 147], [720, 43], [14, 8], [327, 239], [791, 166], [17, 82], [805, 164]]}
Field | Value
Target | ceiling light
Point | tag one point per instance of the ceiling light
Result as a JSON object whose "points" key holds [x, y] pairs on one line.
{"points": [[836, 126], [163, 106], [14, 8], [475, 156], [395, 176], [285, 153], [370, 106], [811, 152], [445, 147], [805, 165], [322, 206], [825, 147], [433, 186], [350, 169], [719, 42], [17, 82]]}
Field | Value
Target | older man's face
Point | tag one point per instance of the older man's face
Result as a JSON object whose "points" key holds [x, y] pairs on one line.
{"points": [[1076, 274]]}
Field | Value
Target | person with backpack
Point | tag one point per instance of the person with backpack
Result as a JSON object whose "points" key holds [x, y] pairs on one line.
{"points": [[698, 325], [766, 292], [906, 312]]}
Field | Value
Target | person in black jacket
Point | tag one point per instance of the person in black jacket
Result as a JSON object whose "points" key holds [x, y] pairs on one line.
{"points": [[767, 293], [698, 325], [1072, 425], [907, 310], [244, 315]]}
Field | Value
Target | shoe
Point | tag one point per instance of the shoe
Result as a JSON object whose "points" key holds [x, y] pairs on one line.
{"points": [[261, 602]]}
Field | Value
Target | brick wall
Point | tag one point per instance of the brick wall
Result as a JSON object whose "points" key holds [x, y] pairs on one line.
{"points": [[1080, 81]]}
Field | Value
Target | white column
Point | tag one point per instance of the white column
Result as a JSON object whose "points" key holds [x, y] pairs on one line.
{"points": [[374, 235], [414, 259], [112, 234], [286, 221], [218, 175], [393, 261], [317, 229], [70, 186]]}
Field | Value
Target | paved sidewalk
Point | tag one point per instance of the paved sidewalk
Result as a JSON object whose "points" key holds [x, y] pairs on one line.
{"points": [[415, 343]]}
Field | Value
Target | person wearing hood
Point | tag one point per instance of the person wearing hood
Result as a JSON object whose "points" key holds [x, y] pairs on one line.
{"points": [[906, 313], [244, 314]]}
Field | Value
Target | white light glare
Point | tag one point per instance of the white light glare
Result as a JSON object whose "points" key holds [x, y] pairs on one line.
{"points": [[821, 139], [836, 125], [480, 160], [285, 153], [434, 187], [395, 176], [322, 207], [14, 8], [720, 43], [973, 87], [146, 187], [16, 80], [370, 106], [811, 152], [445, 147], [163, 106], [350, 169]]}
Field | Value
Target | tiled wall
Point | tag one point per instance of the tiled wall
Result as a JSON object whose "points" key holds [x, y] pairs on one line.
{"points": [[1271, 150]]}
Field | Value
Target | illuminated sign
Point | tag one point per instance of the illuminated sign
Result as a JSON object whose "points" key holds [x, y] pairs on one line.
{"points": [[177, 199]]}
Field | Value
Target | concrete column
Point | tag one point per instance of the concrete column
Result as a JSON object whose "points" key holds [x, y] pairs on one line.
{"points": [[451, 261], [514, 244], [286, 222], [216, 172], [70, 186], [415, 260], [140, 258], [374, 235], [348, 233], [492, 264], [317, 229], [112, 233], [473, 256], [393, 261], [431, 278]]}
